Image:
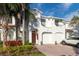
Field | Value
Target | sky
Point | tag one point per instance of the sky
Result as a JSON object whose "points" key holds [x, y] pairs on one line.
{"points": [[60, 10]]}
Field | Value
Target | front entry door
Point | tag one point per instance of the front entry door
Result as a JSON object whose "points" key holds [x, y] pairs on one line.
{"points": [[33, 37]]}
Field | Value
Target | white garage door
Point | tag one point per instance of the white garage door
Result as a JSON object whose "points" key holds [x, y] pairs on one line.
{"points": [[47, 38]]}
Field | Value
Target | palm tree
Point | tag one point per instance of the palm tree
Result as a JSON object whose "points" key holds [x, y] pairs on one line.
{"points": [[23, 10], [5, 16], [15, 11], [5, 11], [23, 19], [75, 20], [27, 15]]}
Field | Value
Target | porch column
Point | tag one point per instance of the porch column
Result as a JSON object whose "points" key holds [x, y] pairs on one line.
{"points": [[39, 37], [14, 36], [30, 36], [1, 35]]}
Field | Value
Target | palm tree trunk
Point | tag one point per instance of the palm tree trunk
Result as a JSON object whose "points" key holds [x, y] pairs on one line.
{"points": [[5, 30], [23, 37], [25, 29], [25, 23], [17, 26], [5, 25]]}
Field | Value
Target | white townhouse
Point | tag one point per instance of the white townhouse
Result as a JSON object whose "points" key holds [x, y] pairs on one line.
{"points": [[44, 29]]}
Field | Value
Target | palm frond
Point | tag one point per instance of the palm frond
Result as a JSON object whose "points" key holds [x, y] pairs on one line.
{"points": [[75, 20]]}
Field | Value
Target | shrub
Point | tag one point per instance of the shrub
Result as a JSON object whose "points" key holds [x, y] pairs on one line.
{"points": [[29, 47], [20, 51], [1, 43], [27, 43], [13, 43], [25, 47]]}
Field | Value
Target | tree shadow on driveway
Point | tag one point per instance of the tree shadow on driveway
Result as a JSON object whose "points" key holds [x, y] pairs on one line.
{"points": [[75, 49]]}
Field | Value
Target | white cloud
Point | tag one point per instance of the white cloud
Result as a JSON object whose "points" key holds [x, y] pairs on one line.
{"points": [[67, 5], [70, 16], [51, 11]]}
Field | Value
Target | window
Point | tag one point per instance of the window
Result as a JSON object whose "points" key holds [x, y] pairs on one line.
{"points": [[56, 22], [11, 33], [0, 20], [0, 35], [43, 22], [35, 23], [9, 20]]}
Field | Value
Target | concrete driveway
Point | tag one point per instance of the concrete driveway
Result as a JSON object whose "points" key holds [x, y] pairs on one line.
{"points": [[58, 50]]}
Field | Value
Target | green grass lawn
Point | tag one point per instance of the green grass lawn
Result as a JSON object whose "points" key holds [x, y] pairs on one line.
{"points": [[26, 50]]}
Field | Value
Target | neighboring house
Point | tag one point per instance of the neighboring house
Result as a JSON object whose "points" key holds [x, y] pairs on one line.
{"points": [[44, 29], [72, 30], [75, 31], [11, 31]]}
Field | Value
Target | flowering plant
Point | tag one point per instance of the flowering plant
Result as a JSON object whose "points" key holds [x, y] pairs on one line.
{"points": [[13, 43]]}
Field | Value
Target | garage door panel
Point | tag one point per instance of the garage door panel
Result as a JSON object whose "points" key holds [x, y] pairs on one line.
{"points": [[47, 39]]}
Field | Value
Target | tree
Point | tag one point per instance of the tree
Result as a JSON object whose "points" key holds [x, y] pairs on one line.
{"points": [[6, 11], [21, 10], [5, 16], [17, 10], [74, 20], [27, 16]]}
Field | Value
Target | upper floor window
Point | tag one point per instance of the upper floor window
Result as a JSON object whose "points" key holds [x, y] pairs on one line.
{"points": [[43, 22], [10, 20], [0, 20], [56, 22], [35, 23]]}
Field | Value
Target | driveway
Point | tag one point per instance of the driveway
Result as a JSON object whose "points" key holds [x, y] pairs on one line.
{"points": [[58, 50]]}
